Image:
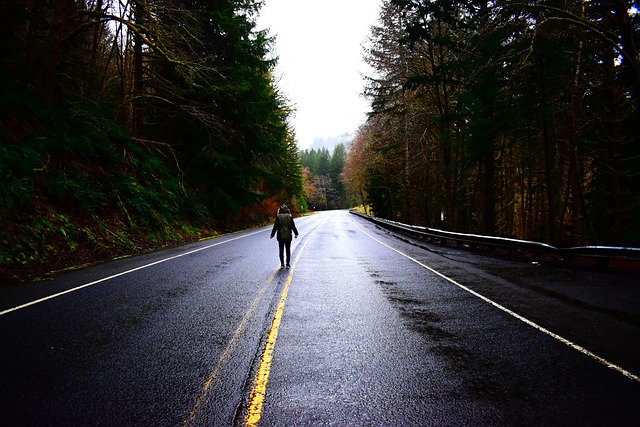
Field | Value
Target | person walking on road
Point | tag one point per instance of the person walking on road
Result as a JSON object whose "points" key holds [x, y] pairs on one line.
{"points": [[283, 226]]}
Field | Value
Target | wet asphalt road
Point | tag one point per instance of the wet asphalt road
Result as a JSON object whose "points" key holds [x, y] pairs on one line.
{"points": [[368, 335]]}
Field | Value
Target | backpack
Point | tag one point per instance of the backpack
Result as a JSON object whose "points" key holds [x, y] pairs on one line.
{"points": [[284, 227]]}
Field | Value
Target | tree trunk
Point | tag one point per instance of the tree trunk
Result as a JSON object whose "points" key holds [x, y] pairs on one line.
{"points": [[54, 55], [615, 140], [627, 33], [97, 35], [548, 160], [489, 196], [138, 73]]}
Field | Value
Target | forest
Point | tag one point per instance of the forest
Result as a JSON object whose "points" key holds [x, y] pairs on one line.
{"points": [[127, 125], [323, 184], [507, 118], [132, 124]]}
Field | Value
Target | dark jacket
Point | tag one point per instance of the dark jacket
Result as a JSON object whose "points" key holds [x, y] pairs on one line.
{"points": [[284, 225]]}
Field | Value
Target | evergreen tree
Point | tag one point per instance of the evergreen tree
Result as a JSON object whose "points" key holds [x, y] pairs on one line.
{"points": [[509, 118], [145, 115], [326, 190]]}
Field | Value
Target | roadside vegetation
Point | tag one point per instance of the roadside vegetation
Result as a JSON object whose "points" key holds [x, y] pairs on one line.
{"points": [[517, 119], [127, 126]]}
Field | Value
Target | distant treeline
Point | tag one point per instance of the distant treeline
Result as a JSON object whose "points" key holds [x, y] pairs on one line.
{"points": [[150, 120], [323, 185], [507, 118]]}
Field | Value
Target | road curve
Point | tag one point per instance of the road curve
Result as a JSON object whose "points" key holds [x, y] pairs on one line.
{"points": [[366, 329]]}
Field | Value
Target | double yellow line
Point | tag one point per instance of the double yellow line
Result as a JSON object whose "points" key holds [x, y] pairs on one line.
{"points": [[202, 398], [259, 389]]}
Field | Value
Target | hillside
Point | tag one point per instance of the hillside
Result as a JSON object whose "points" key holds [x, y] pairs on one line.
{"points": [[120, 134]]}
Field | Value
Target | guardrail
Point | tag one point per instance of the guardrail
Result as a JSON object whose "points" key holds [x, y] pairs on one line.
{"points": [[600, 253]]}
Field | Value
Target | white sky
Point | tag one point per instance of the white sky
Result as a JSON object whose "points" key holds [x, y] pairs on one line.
{"points": [[320, 67]]}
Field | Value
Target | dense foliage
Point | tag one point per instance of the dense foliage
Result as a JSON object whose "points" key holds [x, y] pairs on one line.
{"points": [[324, 187], [507, 118], [136, 122]]}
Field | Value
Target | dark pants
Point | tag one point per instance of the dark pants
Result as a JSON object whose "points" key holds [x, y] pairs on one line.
{"points": [[282, 244]]}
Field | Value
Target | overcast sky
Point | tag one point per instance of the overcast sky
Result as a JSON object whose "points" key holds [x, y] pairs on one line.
{"points": [[319, 46]]}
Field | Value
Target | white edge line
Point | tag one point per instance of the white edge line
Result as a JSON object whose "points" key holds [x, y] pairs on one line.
{"points": [[104, 279], [563, 340]]}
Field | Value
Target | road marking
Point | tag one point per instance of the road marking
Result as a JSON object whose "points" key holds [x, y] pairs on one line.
{"points": [[259, 389], [563, 340], [206, 386], [104, 279]]}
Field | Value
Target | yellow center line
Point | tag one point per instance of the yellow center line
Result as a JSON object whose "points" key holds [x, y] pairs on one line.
{"points": [[206, 386], [259, 389]]}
